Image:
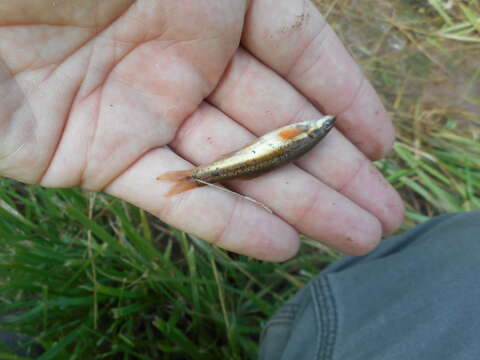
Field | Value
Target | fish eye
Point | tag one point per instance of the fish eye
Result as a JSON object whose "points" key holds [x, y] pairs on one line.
{"points": [[329, 123]]}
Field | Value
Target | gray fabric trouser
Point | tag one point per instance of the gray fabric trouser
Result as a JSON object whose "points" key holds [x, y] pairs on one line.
{"points": [[417, 296]]}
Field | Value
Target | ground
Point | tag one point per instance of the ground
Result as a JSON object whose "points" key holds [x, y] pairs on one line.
{"points": [[93, 277]]}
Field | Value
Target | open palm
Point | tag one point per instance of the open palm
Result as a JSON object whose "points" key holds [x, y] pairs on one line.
{"points": [[92, 92]]}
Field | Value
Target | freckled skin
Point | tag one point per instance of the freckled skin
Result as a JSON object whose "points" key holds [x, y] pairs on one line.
{"points": [[268, 152]]}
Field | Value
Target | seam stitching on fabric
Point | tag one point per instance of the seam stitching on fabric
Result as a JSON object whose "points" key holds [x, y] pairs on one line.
{"points": [[316, 297], [334, 321], [327, 318], [286, 314]]}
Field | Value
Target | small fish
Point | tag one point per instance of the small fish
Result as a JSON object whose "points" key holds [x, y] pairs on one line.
{"points": [[266, 153]]}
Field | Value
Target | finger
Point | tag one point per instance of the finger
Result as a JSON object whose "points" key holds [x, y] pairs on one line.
{"points": [[213, 215], [297, 197], [16, 124], [291, 37], [261, 101]]}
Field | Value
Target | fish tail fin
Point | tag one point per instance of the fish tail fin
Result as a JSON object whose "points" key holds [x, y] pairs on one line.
{"points": [[175, 176], [182, 180], [180, 187]]}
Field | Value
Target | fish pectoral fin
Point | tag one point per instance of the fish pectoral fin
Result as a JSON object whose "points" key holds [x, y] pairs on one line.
{"points": [[289, 133]]}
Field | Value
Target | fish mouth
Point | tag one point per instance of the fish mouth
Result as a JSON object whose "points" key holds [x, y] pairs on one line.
{"points": [[323, 126], [328, 122]]}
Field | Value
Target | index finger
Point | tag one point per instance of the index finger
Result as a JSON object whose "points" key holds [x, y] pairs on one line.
{"points": [[292, 38]]}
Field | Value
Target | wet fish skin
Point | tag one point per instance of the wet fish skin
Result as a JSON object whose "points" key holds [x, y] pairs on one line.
{"points": [[268, 152]]}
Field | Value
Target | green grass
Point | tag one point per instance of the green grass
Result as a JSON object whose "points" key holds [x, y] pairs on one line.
{"points": [[91, 277]]}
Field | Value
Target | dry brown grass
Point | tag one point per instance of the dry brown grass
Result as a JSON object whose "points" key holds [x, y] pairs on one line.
{"points": [[423, 58]]}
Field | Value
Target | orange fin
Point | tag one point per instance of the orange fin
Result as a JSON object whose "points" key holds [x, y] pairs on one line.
{"points": [[175, 175], [289, 133], [181, 186]]}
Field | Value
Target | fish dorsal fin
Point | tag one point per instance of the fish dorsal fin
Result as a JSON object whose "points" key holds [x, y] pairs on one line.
{"points": [[227, 155]]}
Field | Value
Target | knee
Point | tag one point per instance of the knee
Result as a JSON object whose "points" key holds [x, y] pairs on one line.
{"points": [[456, 230], [451, 241]]}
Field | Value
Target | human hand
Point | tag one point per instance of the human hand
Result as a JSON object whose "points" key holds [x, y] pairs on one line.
{"points": [[93, 91]]}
